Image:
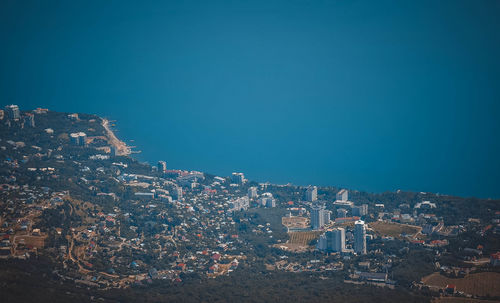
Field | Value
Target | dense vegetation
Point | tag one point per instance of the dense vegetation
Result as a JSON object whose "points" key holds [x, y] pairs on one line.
{"points": [[28, 282]]}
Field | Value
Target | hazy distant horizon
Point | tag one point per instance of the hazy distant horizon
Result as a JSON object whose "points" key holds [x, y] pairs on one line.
{"points": [[373, 96]]}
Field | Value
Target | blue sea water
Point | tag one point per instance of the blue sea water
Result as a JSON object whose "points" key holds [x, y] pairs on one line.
{"points": [[367, 95]]}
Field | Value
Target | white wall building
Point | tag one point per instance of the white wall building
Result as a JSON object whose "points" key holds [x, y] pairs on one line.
{"points": [[360, 237], [252, 192], [78, 138], [318, 216], [342, 195], [311, 193], [239, 204], [13, 112]]}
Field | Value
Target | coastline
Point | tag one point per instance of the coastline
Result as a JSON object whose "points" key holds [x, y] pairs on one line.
{"points": [[121, 148]]}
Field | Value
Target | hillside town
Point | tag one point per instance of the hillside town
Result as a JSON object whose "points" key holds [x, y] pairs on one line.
{"points": [[70, 191]]}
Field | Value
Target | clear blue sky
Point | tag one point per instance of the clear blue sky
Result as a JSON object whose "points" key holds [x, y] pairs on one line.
{"points": [[371, 95]]}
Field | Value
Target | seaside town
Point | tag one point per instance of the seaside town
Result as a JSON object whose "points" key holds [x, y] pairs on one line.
{"points": [[72, 192]]}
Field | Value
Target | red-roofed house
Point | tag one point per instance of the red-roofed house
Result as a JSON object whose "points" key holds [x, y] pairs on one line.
{"points": [[216, 257], [181, 266], [212, 269]]}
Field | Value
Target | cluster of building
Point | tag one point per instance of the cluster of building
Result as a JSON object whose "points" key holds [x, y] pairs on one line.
{"points": [[343, 198], [334, 240], [239, 204], [147, 222], [12, 114], [321, 216]]}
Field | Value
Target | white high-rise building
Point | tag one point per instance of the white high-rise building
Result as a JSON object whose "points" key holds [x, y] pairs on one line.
{"points": [[342, 198], [360, 210], [238, 178], [317, 216], [323, 242], [311, 193], [29, 120], [267, 200], [239, 204], [336, 239], [252, 192], [162, 166], [78, 138], [13, 112], [360, 237], [332, 240], [178, 193], [343, 195], [326, 217]]}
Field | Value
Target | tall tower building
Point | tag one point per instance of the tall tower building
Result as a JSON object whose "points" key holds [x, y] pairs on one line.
{"points": [[29, 120], [113, 150], [342, 195], [336, 239], [12, 112], [360, 237], [82, 139], [178, 193], [162, 166], [267, 200], [317, 216], [326, 216], [332, 240], [238, 178], [360, 210], [252, 192], [311, 193], [78, 138], [323, 242]]}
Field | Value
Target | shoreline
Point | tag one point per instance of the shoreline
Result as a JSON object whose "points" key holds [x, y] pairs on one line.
{"points": [[121, 148]]}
